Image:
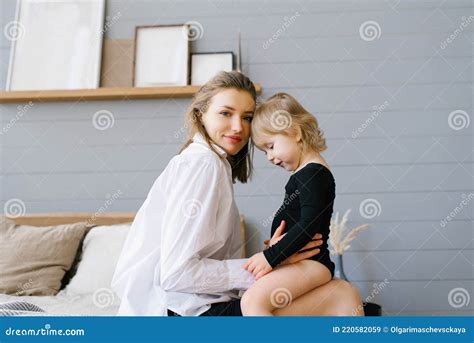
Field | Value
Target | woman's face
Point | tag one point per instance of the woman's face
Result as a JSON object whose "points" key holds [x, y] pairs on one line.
{"points": [[227, 120]]}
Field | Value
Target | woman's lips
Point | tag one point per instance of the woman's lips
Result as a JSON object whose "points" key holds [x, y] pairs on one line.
{"points": [[233, 139]]}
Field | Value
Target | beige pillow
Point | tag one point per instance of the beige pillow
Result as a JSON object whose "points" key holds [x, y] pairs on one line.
{"points": [[33, 260]]}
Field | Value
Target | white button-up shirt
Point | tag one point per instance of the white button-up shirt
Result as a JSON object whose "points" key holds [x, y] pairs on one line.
{"points": [[182, 251]]}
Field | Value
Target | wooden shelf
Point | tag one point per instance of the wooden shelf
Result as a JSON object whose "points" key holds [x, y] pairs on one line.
{"points": [[102, 94]]}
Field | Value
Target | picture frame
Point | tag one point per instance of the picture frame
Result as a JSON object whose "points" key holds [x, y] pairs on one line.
{"points": [[117, 63], [63, 52], [161, 55], [205, 65]]}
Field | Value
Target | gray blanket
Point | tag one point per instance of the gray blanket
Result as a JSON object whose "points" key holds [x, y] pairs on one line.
{"points": [[17, 308]]}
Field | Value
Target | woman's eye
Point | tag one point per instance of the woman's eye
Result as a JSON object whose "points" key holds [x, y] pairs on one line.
{"points": [[225, 114], [249, 119]]}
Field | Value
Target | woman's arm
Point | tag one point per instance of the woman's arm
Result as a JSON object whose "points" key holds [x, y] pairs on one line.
{"points": [[190, 234], [310, 246], [258, 264]]}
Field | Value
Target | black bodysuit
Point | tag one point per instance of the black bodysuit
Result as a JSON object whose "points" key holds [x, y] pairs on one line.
{"points": [[307, 210]]}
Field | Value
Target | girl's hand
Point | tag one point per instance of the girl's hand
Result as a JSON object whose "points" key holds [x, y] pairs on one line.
{"points": [[258, 265]]}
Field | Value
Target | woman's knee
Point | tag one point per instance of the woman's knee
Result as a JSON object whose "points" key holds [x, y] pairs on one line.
{"points": [[245, 302], [252, 303], [248, 302], [348, 300]]}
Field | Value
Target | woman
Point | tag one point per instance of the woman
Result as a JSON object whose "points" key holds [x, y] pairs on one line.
{"points": [[181, 254]]}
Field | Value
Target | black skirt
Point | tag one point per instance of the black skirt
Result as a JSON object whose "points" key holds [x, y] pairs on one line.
{"points": [[227, 308]]}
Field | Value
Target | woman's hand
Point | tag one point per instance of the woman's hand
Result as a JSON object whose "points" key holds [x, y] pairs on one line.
{"points": [[276, 236], [304, 253], [258, 265]]}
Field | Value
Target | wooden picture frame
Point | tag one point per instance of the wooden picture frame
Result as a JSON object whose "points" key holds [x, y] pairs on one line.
{"points": [[204, 65], [63, 52], [161, 55], [117, 63]]}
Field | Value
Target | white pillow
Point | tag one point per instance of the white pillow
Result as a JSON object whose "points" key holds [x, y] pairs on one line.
{"points": [[100, 253]]}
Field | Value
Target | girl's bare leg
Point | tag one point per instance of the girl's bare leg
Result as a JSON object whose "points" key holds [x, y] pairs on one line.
{"points": [[335, 298], [278, 288]]}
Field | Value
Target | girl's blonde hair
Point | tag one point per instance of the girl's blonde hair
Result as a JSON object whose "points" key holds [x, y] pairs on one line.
{"points": [[241, 163], [283, 114]]}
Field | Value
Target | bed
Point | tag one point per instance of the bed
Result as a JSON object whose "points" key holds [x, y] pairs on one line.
{"points": [[85, 286]]}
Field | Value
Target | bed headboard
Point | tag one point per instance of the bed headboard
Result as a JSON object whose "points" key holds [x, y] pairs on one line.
{"points": [[109, 218], [46, 219]]}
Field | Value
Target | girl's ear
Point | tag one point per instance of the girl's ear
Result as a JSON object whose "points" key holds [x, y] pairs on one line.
{"points": [[298, 135]]}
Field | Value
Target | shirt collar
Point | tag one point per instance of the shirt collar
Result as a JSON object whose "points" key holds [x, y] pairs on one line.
{"points": [[199, 138]]}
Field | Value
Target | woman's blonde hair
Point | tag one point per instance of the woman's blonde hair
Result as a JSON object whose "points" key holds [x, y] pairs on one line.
{"points": [[241, 163], [283, 114]]}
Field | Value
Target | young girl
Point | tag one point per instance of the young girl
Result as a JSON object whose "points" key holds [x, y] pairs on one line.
{"points": [[290, 137]]}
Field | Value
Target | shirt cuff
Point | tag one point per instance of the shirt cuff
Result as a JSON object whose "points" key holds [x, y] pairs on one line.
{"points": [[239, 277]]}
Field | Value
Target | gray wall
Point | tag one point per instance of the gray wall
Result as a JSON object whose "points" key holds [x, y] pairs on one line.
{"points": [[409, 158]]}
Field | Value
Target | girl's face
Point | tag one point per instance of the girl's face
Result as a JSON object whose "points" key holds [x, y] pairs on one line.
{"points": [[281, 150], [227, 120]]}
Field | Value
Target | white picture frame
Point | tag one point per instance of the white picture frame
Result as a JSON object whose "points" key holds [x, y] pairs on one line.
{"points": [[61, 46], [205, 65], [161, 56]]}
